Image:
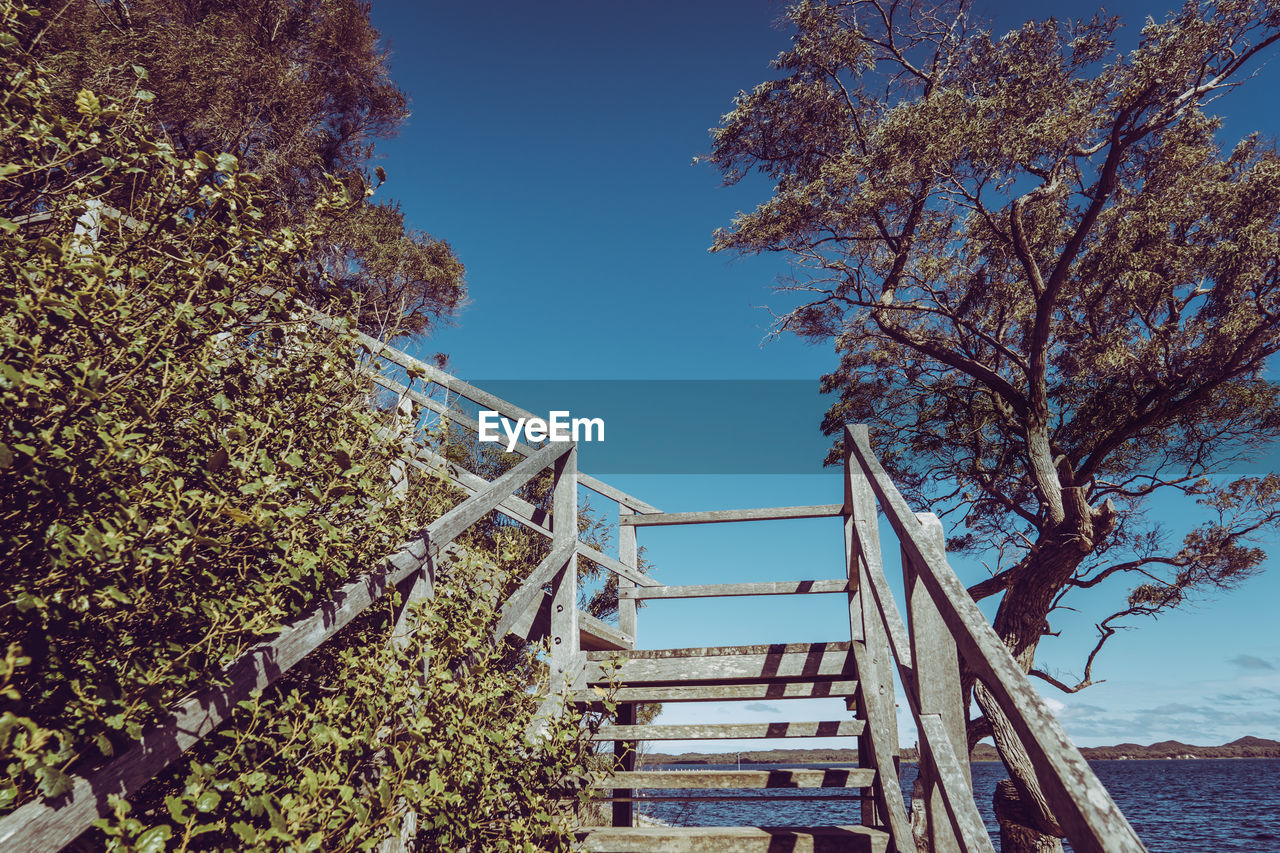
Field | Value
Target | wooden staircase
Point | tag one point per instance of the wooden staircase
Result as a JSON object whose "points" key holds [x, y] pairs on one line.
{"points": [[942, 629], [725, 673], [733, 674]]}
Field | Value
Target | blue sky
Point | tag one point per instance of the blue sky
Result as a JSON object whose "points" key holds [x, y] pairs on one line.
{"points": [[551, 144]]}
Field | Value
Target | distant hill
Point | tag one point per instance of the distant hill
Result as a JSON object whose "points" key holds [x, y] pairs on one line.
{"points": [[1245, 747]]}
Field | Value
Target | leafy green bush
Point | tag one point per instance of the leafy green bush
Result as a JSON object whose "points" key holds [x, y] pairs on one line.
{"points": [[185, 466]]}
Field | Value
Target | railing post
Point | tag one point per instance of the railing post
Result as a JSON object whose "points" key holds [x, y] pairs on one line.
{"points": [[878, 745], [937, 684], [628, 555], [625, 751], [564, 607]]}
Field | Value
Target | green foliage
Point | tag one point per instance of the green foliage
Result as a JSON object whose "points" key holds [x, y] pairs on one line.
{"points": [[1051, 289], [297, 91], [336, 759], [187, 465]]}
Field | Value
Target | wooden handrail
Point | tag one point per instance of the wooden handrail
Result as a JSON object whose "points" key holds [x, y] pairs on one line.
{"points": [[463, 389], [39, 826], [1089, 816], [878, 745], [721, 516], [527, 514]]}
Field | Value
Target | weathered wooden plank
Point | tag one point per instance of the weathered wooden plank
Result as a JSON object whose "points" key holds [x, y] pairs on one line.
{"points": [[827, 777], [951, 773], [614, 494], [624, 756], [852, 547], [716, 651], [598, 635], [811, 663], [520, 510], [530, 590], [514, 507], [936, 672], [808, 689], [714, 731], [728, 589], [873, 661], [41, 826], [620, 569], [1091, 819], [850, 795], [622, 811], [720, 516], [380, 349], [628, 555], [733, 839], [564, 608], [593, 634], [467, 513]]}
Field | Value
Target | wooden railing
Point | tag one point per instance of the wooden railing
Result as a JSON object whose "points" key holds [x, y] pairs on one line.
{"points": [[944, 628], [42, 825], [50, 825], [921, 654]]}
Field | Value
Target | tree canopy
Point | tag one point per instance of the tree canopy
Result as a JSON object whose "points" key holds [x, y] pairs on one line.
{"points": [[186, 466], [296, 90], [1053, 287]]}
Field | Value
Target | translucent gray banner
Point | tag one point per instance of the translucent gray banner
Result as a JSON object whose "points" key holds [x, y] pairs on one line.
{"points": [[666, 426]]}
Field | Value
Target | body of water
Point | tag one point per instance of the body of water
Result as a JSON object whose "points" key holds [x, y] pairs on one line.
{"points": [[1219, 805]]}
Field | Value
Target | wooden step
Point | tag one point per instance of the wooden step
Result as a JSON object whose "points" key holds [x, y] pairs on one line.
{"points": [[851, 795], [725, 589], [711, 731], [719, 516], [828, 777], [789, 661], [733, 839], [811, 689]]}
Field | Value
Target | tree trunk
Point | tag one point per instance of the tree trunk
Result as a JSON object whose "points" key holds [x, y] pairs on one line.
{"points": [[1027, 823], [1015, 832]]}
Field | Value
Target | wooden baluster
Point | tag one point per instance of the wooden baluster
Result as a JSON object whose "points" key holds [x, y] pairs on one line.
{"points": [[937, 684], [625, 751], [878, 746], [564, 607]]}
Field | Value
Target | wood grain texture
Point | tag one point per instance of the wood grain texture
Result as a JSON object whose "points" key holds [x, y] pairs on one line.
{"points": [[730, 589], [721, 516], [448, 526], [530, 590], [1091, 819], [874, 662], [380, 349], [714, 731], [718, 651], [828, 777], [628, 555], [733, 839], [564, 608], [813, 661], [937, 694], [807, 689], [598, 635], [951, 775]]}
